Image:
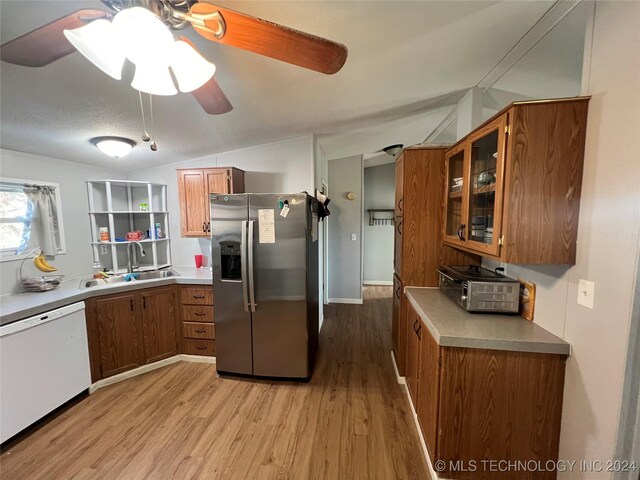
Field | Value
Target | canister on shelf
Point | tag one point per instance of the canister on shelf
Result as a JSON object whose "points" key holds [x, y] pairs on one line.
{"points": [[104, 234]]}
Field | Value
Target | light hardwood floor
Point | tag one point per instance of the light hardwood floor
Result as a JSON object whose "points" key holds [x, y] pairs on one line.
{"points": [[351, 421]]}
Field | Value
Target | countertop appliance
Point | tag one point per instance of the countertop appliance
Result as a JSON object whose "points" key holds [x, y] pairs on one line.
{"points": [[265, 282], [477, 289], [44, 362]]}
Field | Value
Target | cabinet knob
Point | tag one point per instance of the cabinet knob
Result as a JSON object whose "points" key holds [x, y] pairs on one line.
{"points": [[201, 331], [198, 296]]}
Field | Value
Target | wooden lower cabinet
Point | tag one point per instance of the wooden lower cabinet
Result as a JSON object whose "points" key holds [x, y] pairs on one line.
{"points": [[476, 405], [128, 330], [198, 327], [119, 334], [159, 323]]}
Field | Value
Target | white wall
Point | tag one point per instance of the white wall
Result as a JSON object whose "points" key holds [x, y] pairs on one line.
{"points": [[379, 192], [71, 177], [284, 166], [345, 255], [608, 239]]}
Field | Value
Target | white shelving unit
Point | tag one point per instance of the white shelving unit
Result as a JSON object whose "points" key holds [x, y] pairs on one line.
{"points": [[115, 204]]}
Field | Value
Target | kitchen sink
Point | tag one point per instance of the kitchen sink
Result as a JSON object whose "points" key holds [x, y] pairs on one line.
{"points": [[150, 275]]}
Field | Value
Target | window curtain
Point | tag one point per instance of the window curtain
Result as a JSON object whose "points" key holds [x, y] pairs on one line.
{"points": [[45, 229]]}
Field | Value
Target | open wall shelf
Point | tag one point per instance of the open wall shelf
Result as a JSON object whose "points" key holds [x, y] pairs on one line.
{"points": [[116, 204]]}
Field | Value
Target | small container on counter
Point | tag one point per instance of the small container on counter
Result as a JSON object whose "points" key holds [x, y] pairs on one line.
{"points": [[97, 269]]}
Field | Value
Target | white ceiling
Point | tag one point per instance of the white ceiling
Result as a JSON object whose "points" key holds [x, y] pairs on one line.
{"points": [[407, 62]]}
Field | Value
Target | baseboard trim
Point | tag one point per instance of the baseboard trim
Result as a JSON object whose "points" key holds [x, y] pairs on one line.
{"points": [[149, 368], [379, 282], [414, 415], [354, 301], [399, 379]]}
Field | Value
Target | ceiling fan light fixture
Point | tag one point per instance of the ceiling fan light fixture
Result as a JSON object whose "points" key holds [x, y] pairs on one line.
{"points": [[146, 38], [393, 150], [100, 44], [189, 67], [154, 79], [116, 147]]}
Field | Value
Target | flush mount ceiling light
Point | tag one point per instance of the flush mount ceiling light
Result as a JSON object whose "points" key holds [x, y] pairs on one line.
{"points": [[115, 147], [140, 36], [393, 150]]}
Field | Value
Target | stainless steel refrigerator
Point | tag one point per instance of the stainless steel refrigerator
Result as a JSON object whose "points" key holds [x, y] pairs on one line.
{"points": [[265, 283]]}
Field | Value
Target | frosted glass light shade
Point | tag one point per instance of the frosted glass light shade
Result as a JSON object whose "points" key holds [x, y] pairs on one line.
{"points": [[100, 43], [116, 147], [189, 67], [153, 79], [146, 38]]}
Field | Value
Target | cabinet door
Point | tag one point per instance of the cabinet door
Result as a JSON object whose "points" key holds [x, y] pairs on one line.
{"points": [[397, 245], [217, 181], [484, 195], [403, 325], [159, 324], [194, 207], [119, 334], [399, 186], [455, 185], [395, 322], [414, 332], [429, 390]]}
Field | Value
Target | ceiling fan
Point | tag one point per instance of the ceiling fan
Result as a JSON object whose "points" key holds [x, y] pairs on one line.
{"points": [[46, 44]]}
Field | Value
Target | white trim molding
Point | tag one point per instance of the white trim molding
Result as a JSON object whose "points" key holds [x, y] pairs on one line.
{"points": [[379, 282], [353, 301], [148, 368]]}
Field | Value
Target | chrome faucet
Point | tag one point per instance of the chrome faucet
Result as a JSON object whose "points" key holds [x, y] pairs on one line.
{"points": [[129, 263]]}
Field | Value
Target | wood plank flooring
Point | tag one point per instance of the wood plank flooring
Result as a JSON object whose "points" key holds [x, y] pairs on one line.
{"points": [[351, 421]]}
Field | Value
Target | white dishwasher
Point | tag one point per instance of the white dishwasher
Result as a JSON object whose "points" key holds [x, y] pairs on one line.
{"points": [[44, 361]]}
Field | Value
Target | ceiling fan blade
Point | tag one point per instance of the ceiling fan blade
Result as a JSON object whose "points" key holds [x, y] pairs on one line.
{"points": [[46, 44], [212, 99], [272, 40]]}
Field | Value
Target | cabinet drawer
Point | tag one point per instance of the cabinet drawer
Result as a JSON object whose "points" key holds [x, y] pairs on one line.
{"points": [[197, 295], [195, 346], [196, 313], [198, 330]]}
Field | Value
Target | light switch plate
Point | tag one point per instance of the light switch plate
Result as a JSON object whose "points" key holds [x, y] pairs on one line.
{"points": [[353, 237], [586, 292], [103, 250]]}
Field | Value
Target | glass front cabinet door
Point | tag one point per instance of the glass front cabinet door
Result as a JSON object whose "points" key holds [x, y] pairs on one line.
{"points": [[455, 168], [475, 169]]}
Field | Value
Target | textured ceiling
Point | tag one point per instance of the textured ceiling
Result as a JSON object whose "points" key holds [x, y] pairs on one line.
{"points": [[406, 60]]}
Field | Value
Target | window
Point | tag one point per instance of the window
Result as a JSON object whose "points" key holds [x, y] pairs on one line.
{"points": [[13, 219], [30, 217]]}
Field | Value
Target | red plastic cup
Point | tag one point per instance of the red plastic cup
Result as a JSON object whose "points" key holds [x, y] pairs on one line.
{"points": [[198, 261]]}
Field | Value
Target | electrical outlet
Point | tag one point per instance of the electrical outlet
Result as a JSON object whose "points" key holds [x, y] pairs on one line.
{"points": [[586, 292], [103, 250], [353, 237]]}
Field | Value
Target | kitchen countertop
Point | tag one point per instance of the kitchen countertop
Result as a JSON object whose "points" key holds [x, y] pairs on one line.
{"points": [[22, 305], [451, 326]]}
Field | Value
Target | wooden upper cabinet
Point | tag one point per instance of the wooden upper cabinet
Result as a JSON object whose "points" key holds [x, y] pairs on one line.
{"points": [[473, 206], [194, 187], [159, 323], [513, 185]]}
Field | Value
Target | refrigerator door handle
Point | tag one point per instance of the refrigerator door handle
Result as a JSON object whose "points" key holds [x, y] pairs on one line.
{"points": [[252, 296], [243, 266]]}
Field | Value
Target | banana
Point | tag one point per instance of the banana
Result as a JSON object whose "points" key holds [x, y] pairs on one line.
{"points": [[41, 264]]}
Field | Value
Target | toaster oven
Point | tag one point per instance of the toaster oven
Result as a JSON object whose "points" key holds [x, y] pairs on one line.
{"points": [[477, 289]]}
